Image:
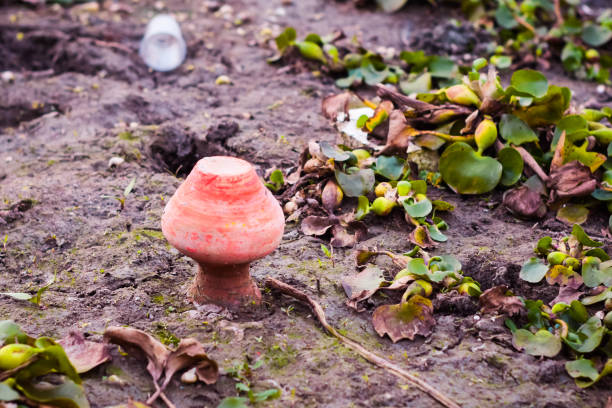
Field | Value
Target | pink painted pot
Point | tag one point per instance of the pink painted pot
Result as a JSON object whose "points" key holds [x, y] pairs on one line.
{"points": [[223, 217]]}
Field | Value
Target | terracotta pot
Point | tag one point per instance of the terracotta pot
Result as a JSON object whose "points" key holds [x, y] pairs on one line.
{"points": [[223, 217]]}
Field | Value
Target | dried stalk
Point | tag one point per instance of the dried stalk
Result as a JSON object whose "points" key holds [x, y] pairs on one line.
{"points": [[358, 348], [530, 161]]}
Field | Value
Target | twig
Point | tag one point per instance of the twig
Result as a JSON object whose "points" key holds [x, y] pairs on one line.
{"points": [[167, 400], [403, 100], [558, 13], [358, 348], [525, 24], [530, 161]]}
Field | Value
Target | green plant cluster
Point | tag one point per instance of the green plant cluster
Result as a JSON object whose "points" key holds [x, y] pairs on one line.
{"points": [[242, 373], [582, 323], [37, 370], [383, 183], [355, 65], [420, 278], [486, 131], [537, 26]]}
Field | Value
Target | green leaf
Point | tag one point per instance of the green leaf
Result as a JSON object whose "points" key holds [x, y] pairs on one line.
{"points": [[436, 235], [285, 39], [602, 195], [420, 84], [547, 110], [357, 182], [588, 336], [129, 187], [333, 152], [501, 61], [419, 186], [18, 295], [389, 6], [67, 394], [466, 172], [544, 246], [583, 238], [573, 214], [585, 373], [595, 273], [363, 208], [533, 270], [505, 18], [233, 402], [542, 343], [512, 165], [445, 263], [571, 56], [417, 209], [515, 131], [390, 167], [603, 296], [10, 332], [598, 253], [575, 127], [442, 67], [7, 393], [266, 395], [277, 178], [596, 35], [528, 82]]}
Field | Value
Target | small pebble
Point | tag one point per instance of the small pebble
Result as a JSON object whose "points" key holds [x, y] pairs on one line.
{"points": [[115, 161], [601, 89], [8, 76], [189, 376]]}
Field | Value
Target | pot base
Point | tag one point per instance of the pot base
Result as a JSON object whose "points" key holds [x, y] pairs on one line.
{"points": [[229, 286]]}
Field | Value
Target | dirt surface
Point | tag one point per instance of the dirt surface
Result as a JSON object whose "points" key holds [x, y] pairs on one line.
{"points": [[81, 96]]}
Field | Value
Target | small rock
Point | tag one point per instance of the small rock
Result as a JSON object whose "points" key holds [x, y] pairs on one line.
{"points": [[115, 161], [189, 376], [8, 76]]}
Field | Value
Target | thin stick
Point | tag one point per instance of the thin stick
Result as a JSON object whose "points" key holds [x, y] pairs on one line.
{"points": [[558, 13], [358, 348], [530, 161], [167, 400]]}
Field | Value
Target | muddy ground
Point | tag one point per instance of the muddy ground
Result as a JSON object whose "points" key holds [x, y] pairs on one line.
{"points": [[82, 96]]}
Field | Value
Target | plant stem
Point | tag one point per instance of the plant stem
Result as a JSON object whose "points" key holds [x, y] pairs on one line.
{"points": [[448, 138], [530, 161], [358, 348]]}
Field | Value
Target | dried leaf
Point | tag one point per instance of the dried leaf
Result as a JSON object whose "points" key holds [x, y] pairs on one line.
{"points": [[495, 300], [420, 236], [566, 294], [84, 354], [341, 237], [363, 285], [156, 352], [563, 276], [405, 320], [399, 134], [313, 225], [524, 202], [336, 104], [573, 179], [191, 353]]}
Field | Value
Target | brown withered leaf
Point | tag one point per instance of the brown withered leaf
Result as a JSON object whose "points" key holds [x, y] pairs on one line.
{"points": [[567, 294], [524, 202], [129, 338], [495, 300], [398, 135], [405, 320], [573, 179], [84, 354], [420, 236], [362, 285], [343, 238], [362, 256], [314, 225], [191, 353], [336, 104], [562, 276]]}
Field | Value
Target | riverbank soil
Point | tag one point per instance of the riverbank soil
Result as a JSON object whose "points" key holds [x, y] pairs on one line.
{"points": [[81, 96]]}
